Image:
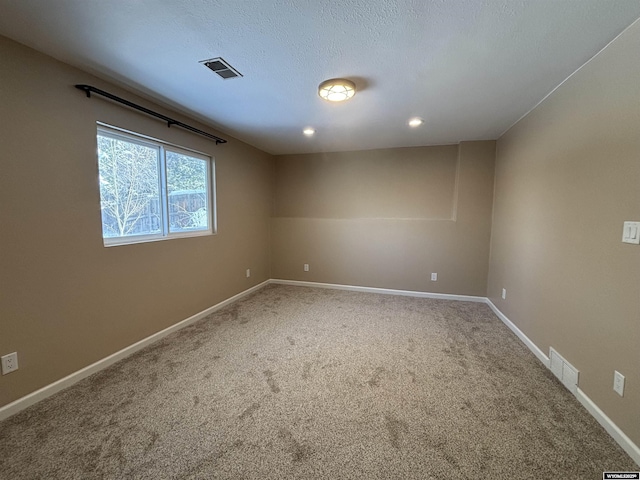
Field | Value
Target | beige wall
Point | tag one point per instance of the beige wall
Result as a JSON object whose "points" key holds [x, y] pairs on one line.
{"points": [[67, 301], [386, 218], [567, 177]]}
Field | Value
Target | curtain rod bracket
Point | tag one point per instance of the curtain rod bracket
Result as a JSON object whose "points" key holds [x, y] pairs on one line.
{"points": [[170, 121], [86, 89]]}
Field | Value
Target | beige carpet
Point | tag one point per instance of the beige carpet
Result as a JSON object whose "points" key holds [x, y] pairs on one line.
{"points": [[296, 382]]}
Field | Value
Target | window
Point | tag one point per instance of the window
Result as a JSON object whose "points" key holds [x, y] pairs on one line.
{"points": [[150, 190]]}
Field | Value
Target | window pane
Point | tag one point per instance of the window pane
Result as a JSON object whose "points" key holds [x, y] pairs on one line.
{"points": [[187, 192], [129, 188]]}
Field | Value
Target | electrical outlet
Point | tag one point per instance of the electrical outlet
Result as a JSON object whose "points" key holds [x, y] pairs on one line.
{"points": [[9, 363], [504, 293], [618, 383], [434, 277], [306, 267], [248, 272]]}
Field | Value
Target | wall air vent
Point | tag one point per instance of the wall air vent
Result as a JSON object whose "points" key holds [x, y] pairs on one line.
{"points": [[222, 68]]}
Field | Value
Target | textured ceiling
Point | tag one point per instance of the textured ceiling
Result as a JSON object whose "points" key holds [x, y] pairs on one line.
{"points": [[470, 68]]}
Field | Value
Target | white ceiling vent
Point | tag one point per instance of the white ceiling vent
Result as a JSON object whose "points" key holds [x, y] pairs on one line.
{"points": [[222, 68]]}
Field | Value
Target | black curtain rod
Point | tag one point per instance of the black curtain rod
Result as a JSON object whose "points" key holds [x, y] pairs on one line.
{"points": [[170, 121]]}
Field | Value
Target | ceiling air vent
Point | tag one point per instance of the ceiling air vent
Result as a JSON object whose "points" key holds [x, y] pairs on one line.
{"points": [[222, 68]]}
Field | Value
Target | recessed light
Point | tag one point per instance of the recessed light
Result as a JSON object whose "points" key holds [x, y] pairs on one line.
{"points": [[415, 122], [308, 131]]}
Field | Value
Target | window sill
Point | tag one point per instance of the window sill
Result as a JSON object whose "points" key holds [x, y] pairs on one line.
{"points": [[117, 242]]}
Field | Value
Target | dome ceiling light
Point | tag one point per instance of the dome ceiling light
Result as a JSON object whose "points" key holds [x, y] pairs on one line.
{"points": [[337, 89]]}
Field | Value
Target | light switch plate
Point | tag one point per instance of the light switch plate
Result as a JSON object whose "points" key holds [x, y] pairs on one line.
{"points": [[631, 233], [618, 383]]}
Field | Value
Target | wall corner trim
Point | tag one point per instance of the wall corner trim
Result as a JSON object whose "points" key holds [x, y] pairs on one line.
{"points": [[48, 390]]}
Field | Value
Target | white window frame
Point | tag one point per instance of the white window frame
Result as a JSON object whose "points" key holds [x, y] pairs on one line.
{"points": [[163, 147]]}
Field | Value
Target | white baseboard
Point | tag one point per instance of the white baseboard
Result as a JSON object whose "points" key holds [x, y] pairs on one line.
{"points": [[385, 291], [532, 346], [612, 429], [12, 408], [34, 397]]}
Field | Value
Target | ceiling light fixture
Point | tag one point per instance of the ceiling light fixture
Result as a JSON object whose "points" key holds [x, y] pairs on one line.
{"points": [[415, 122], [308, 131], [337, 89]]}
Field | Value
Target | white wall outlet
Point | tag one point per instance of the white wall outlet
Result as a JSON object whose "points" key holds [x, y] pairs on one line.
{"points": [[618, 383], [306, 267], [434, 277], [504, 293], [248, 272], [9, 363]]}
